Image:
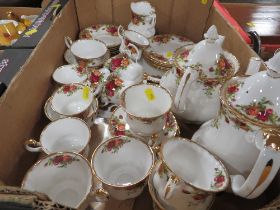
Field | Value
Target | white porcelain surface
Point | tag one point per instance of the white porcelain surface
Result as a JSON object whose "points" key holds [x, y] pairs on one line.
{"points": [[137, 38], [114, 167], [9, 21], [65, 177], [69, 100], [68, 74], [148, 32], [197, 172], [146, 111], [142, 8]]}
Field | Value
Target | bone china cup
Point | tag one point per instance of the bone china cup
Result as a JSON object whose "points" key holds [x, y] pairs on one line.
{"points": [[63, 135], [146, 106], [72, 100], [189, 176], [90, 51], [66, 178], [123, 165]]}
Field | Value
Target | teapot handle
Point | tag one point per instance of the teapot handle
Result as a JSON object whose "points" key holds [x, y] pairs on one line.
{"points": [[263, 172], [185, 82], [129, 53]]}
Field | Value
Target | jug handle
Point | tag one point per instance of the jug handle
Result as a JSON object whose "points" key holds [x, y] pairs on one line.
{"points": [[184, 83], [262, 174], [153, 20], [121, 32], [128, 52], [68, 41], [170, 187]]}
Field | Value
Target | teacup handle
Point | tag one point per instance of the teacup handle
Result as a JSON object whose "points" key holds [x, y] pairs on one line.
{"points": [[68, 41], [152, 20], [100, 195], [121, 32], [128, 52], [170, 187], [33, 146]]}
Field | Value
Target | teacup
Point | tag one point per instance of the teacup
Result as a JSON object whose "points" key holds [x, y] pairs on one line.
{"points": [[73, 100], [121, 175], [66, 178], [87, 51], [68, 74], [188, 176], [146, 106], [63, 135], [135, 38]]}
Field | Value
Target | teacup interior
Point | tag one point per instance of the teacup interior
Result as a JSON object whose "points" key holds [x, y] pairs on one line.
{"points": [[65, 135], [68, 74], [88, 49], [142, 8], [194, 164], [147, 100], [122, 161], [66, 179], [137, 38], [71, 102]]}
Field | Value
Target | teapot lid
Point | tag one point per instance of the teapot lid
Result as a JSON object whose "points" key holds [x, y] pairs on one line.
{"points": [[208, 57], [256, 97]]}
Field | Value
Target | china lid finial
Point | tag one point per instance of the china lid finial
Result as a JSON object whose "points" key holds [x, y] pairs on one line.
{"points": [[212, 34], [273, 65]]}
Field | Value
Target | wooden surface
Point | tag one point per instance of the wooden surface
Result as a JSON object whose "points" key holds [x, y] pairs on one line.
{"points": [[265, 19]]}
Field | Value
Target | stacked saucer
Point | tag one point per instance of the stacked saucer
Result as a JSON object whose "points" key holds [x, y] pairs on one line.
{"points": [[106, 33], [162, 48]]}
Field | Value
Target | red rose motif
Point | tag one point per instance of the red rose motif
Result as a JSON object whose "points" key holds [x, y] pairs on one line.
{"points": [[219, 179], [118, 142], [211, 69], [116, 63], [232, 89], [222, 64], [111, 93], [200, 197], [57, 159], [185, 54], [66, 88], [126, 42], [111, 145], [94, 78], [67, 158], [269, 111], [120, 133], [73, 87], [80, 69], [112, 30], [121, 127], [110, 85], [227, 64], [262, 116], [179, 72], [252, 110]]}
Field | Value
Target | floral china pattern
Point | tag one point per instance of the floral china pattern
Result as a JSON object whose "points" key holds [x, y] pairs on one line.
{"points": [[69, 90], [232, 89], [222, 68], [197, 198], [81, 70], [137, 19], [61, 161], [114, 84], [96, 77], [114, 145], [118, 126], [116, 64], [260, 111], [88, 32], [219, 179]]}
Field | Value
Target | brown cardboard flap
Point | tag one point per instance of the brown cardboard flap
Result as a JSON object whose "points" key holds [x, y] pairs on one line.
{"points": [[184, 17], [19, 11], [234, 43], [21, 107]]}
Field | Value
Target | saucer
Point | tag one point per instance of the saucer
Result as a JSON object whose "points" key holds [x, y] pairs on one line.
{"points": [[70, 58], [52, 115], [119, 127], [103, 32]]}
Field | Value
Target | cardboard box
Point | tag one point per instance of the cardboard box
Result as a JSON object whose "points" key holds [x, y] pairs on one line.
{"points": [[21, 106]]}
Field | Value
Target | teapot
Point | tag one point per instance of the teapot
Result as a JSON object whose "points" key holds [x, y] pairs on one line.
{"points": [[245, 134], [143, 18], [124, 73], [197, 75]]}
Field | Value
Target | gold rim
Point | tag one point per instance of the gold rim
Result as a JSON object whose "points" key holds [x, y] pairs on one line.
{"points": [[71, 115], [119, 186], [152, 190], [122, 99], [52, 122], [189, 183], [89, 59], [160, 68], [228, 107], [61, 153], [135, 43], [74, 65]]}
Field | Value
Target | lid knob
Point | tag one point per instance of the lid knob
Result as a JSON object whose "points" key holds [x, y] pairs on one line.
{"points": [[273, 65], [212, 34]]}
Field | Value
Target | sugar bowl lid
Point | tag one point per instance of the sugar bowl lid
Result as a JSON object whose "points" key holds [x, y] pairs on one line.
{"points": [[257, 97], [208, 57]]}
